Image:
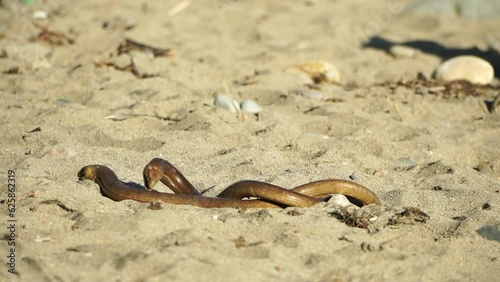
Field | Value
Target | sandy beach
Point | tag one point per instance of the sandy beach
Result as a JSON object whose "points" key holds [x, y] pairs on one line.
{"points": [[71, 97]]}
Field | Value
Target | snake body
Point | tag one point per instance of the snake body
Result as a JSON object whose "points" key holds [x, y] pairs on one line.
{"points": [[116, 190], [268, 195]]}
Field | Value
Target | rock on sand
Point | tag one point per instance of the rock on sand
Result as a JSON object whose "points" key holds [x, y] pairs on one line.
{"points": [[470, 68]]}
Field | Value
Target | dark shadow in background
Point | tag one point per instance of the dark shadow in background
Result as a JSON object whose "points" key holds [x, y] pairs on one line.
{"points": [[434, 48]]}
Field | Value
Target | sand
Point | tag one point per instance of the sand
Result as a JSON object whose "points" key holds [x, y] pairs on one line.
{"points": [[432, 155]]}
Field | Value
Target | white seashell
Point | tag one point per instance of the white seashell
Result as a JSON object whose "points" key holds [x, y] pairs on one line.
{"points": [[250, 106], [40, 15], [318, 71], [223, 102], [339, 200], [470, 68], [400, 51]]}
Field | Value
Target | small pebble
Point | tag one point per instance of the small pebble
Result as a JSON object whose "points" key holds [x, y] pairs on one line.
{"points": [[312, 94], [223, 102], [250, 106], [318, 71], [470, 68], [400, 51], [339, 200], [354, 176]]}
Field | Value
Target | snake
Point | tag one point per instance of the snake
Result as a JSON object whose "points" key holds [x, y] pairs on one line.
{"points": [[265, 195]]}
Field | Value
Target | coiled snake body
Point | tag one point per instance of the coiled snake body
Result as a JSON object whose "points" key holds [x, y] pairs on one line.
{"points": [[267, 195]]}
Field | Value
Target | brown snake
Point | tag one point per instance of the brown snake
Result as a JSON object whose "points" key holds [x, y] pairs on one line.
{"points": [[268, 195]]}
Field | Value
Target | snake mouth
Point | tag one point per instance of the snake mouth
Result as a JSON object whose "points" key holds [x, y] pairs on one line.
{"points": [[81, 174]]}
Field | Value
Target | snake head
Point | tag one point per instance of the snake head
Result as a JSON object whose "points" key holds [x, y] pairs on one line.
{"points": [[88, 172], [152, 174]]}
